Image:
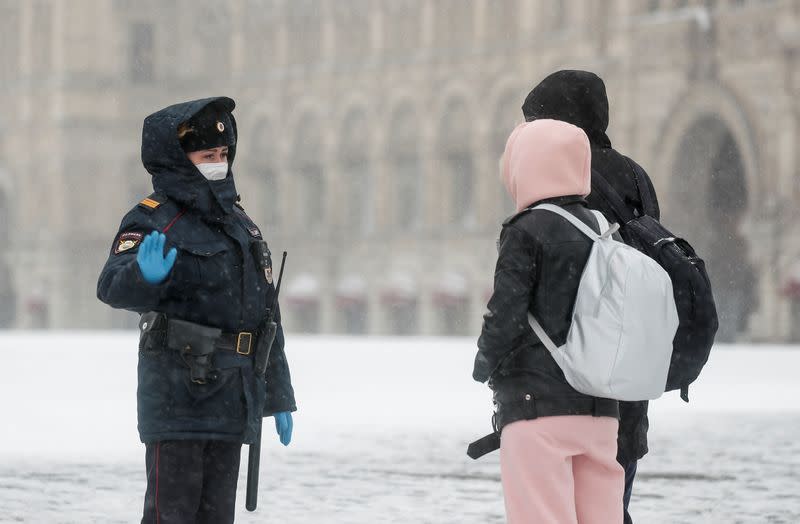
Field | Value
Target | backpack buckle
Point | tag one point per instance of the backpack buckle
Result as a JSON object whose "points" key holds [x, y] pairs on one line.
{"points": [[611, 230]]}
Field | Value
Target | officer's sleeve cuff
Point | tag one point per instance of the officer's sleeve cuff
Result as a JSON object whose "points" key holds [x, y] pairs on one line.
{"points": [[151, 293]]}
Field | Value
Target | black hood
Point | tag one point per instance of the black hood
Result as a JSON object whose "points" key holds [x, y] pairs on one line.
{"points": [[173, 173], [577, 97]]}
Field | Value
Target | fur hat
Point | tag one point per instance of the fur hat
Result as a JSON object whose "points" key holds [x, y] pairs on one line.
{"points": [[209, 128]]}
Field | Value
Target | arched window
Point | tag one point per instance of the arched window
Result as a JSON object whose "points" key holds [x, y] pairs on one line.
{"points": [[399, 300], [402, 27], [141, 53], [264, 173], [351, 304], [308, 174], [213, 50], [455, 21], [8, 297], [710, 195], [557, 15], [138, 180], [457, 161], [502, 23], [451, 297], [302, 301], [353, 35], [5, 226], [304, 23], [41, 50], [355, 172], [405, 168], [506, 116], [261, 27], [9, 43]]}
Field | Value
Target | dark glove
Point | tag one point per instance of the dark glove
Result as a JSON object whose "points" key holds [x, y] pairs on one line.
{"points": [[152, 263], [283, 425]]}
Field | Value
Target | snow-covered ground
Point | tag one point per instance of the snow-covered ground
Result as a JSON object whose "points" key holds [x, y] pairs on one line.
{"points": [[381, 436]]}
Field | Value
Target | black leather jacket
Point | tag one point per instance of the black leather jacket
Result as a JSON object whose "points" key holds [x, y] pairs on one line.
{"points": [[540, 263]]}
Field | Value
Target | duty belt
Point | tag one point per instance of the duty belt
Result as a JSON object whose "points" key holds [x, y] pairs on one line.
{"points": [[241, 343]]}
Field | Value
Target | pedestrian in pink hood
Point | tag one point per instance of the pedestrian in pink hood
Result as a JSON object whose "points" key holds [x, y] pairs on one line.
{"points": [[558, 446], [546, 159]]}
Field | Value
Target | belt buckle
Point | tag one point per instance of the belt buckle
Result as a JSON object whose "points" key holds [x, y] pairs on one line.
{"points": [[248, 338]]}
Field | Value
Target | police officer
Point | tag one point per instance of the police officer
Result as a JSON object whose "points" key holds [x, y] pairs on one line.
{"points": [[190, 260]]}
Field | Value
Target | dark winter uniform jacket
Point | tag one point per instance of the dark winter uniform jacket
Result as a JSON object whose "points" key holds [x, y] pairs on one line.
{"points": [[216, 281], [579, 97], [541, 257]]}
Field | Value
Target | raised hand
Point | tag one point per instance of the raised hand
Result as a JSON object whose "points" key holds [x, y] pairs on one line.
{"points": [[283, 425], [152, 263]]}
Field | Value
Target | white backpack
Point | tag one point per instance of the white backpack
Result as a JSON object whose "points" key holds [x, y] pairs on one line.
{"points": [[620, 341]]}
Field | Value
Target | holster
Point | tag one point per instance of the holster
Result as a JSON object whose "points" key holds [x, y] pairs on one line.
{"points": [[153, 328], [196, 344]]}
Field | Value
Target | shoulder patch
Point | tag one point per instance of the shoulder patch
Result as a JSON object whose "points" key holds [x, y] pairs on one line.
{"points": [[127, 240], [152, 202]]}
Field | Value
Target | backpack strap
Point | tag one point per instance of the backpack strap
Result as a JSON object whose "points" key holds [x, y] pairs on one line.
{"points": [[602, 187], [605, 228], [543, 336], [645, 196], [578, 223], [586, 230]]}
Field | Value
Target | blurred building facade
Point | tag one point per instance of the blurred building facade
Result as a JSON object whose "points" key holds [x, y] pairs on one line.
{"points": [[369, 138]]}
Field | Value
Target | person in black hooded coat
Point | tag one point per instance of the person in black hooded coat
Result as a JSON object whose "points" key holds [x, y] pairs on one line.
{"points": [[579, 97], [195, 412]]}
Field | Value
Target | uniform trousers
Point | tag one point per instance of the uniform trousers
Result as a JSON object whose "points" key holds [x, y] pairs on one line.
{"points": [[191, 481], [562, 470]]}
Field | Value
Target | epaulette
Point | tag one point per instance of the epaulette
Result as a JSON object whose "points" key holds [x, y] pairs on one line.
{"points": [[153, 202]]}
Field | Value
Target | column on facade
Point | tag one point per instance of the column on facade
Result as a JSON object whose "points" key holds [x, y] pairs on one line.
{"points": [[788, 32], [384, 203], [327, 232], [433, 216]]}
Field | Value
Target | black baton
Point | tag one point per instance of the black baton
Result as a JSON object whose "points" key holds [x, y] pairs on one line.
{"points": [[264, 347]]}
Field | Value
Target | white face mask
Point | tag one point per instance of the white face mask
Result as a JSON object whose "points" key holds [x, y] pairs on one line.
{"points": [[213, 170]]}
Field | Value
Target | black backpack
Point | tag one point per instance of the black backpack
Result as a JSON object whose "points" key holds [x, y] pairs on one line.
{"points": [[694, 299]]}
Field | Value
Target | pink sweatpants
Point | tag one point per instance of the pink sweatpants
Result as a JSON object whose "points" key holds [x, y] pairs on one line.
{"points": [[562, 470]]}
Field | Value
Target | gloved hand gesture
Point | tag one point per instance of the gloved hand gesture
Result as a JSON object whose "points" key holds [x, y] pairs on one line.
{"points": [[283, 425], [152, 263]]}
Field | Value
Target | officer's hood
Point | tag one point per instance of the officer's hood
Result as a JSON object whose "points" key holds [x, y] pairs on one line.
{"points": [[577, 97], [546, 159], [173, 173]]}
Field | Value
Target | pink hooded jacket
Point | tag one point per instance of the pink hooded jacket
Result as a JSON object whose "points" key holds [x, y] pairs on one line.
{"points": [[546, 159]]}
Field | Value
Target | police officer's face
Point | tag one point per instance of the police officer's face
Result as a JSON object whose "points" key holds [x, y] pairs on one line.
{"points": [[209, 156]]}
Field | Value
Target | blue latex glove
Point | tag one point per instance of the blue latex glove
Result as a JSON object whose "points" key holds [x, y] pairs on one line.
{"points": [[152, 263], [283, 425]]}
